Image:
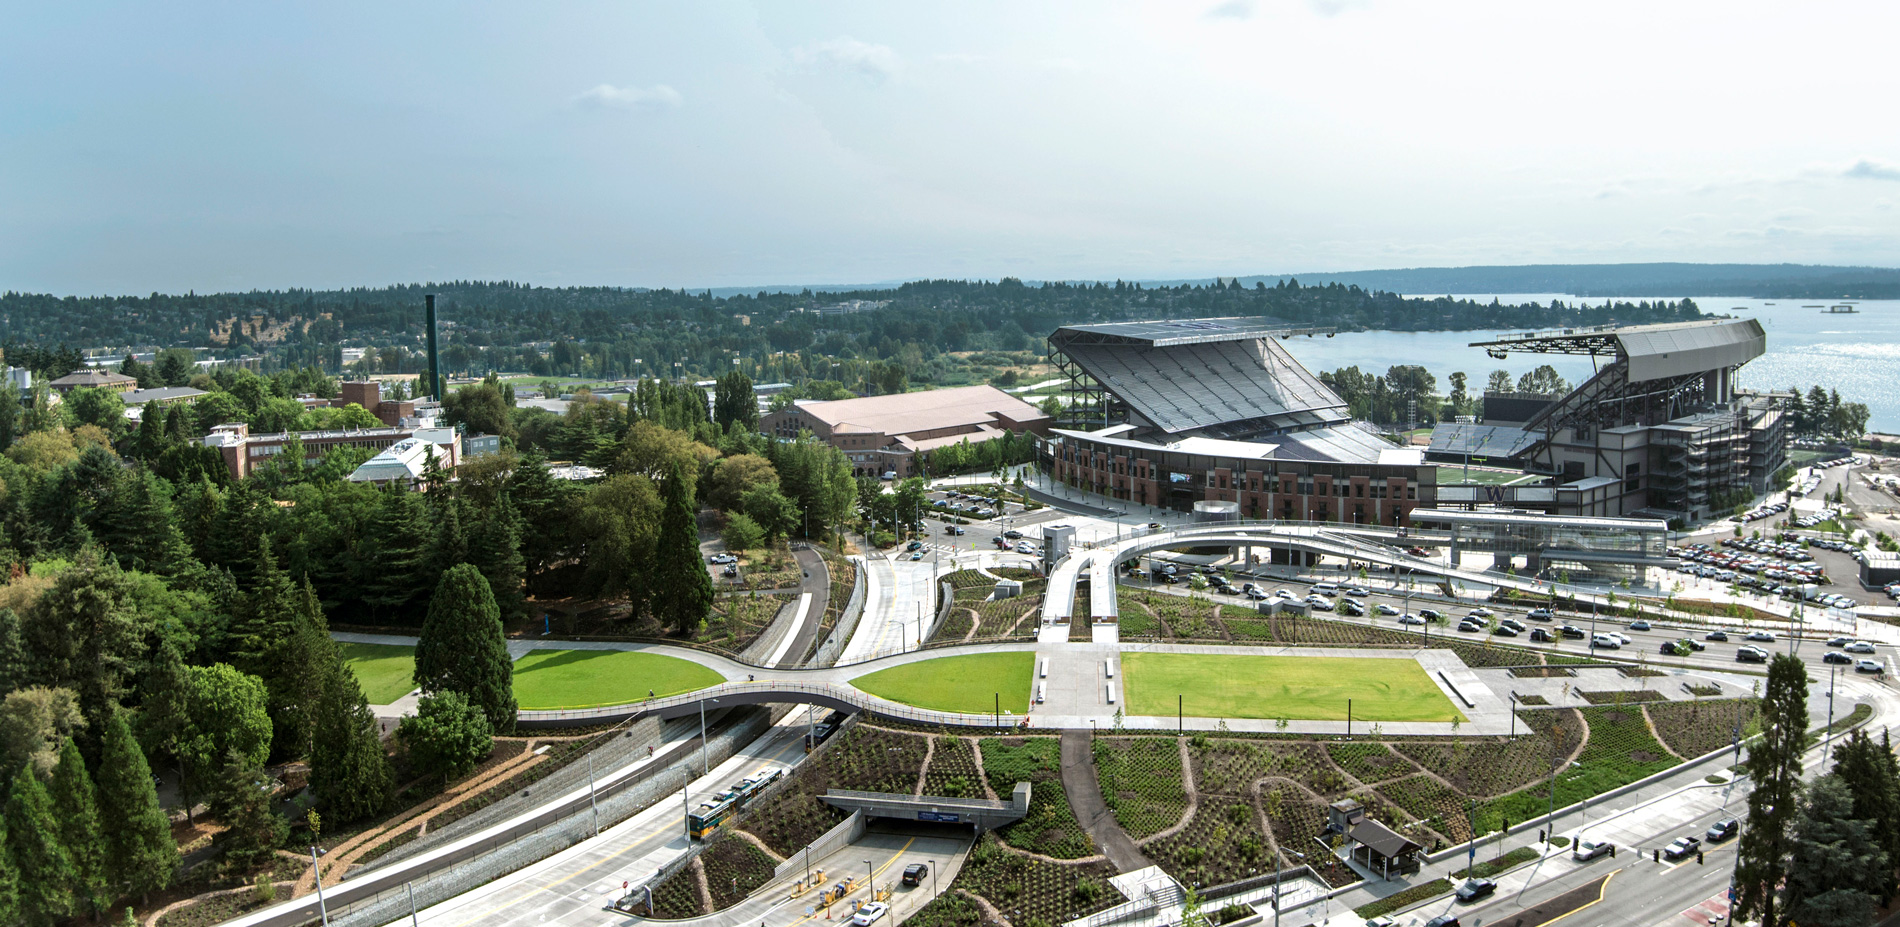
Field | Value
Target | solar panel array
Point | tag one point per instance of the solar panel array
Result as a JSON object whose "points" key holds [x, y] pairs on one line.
{"points": [[1253, 384]]}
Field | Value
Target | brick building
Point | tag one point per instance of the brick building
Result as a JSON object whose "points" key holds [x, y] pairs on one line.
{"points": [[244, 452]]}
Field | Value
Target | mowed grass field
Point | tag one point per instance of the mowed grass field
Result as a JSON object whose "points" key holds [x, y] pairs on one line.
{"points": [[586, 678], [385, 671], [969, 683], [1297, 688]]}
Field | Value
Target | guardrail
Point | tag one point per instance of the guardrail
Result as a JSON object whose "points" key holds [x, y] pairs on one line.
{"points": [[974, 804], [837, 695]]}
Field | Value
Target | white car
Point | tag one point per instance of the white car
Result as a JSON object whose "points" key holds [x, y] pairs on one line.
{"points": [[1282, 594], [1606, 642], [1320, 603], [1385, 609], [1859, 647], [1479, 612], [869, 913], [1411, 619], [1869, 666]]}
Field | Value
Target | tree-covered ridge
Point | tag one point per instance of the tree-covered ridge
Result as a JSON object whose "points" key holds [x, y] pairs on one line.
{"points": [[611, 332]]}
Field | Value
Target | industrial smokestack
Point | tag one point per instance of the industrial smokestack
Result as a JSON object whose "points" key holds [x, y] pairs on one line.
{"points": [[435, 361]]}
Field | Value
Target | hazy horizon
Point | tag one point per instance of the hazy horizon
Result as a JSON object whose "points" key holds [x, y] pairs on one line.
{"points": [[728, 144]]}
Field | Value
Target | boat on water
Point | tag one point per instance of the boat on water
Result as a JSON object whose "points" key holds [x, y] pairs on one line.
{"points": [[1842, 309]]}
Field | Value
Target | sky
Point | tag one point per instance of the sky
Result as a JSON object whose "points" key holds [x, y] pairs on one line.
{"points": [[213, 146]]}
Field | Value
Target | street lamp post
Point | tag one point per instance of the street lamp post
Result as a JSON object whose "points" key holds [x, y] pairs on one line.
{"points": [[870, 879], [704, 763], [322, 909]]}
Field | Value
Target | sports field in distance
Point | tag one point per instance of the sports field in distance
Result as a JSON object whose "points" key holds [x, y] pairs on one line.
{"points": [[586, 678], [386, 671], [968, 683], [1296, 688]]}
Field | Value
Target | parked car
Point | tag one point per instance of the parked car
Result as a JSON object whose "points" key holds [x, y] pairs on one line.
{"points": [[1722, 830], [1474, 889], [1591, 849], [1716, 636], [730, 570], [869, 914], [915, 873], [1442, 920], [722, 558], [1682, 847]]}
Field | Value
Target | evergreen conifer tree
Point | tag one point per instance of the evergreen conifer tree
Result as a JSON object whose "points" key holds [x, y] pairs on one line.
{"points": [[140, 855], [9, 881], [495, 549], [348, 771], [1774, 766], [243, 803], [682, 589], [400, 543], [1868, 771], [45, 872], [77, 809], [462, 648]]}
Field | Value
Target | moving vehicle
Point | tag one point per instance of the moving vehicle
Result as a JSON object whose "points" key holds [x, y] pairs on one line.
{"points": [[1430, 614], [1469, 627], [913, 545], [1751, 655], [1541, 614], [1716, 636], [915, 872], [1591, 849], [1682, 847], [1505, 630], [1385, 609], [1869, 666], [1480, 612], [1012, 534], [917, 555], [714, 811], [1835, 656], [1839, 641], [1572, 632], [1639, 625], [1541, 635], [1256, 594], [1442, 920], [1766, 637], [1326, 589], [1722, 830], [869, 913], [1358, 591], [1352, 608], [1606, 642], [1411, 619], [953, 529], [1474, 889], [1859, 647]]}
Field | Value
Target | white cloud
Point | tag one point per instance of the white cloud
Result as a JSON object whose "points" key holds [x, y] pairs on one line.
{"points": [[957, 58], [608, 96], [876, 63], [1866, 169], [1060, 64], [1336, 7], [1232, 9]]}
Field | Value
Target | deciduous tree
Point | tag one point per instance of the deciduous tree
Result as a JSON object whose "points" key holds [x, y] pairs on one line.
{"points": [[447, 736]]}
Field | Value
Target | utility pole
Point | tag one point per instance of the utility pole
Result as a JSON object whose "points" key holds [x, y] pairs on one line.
{"points": [[411, 889], [591, 804], [705, 765]]}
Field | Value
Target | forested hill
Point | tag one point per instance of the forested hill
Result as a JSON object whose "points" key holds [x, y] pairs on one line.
{"points": [[508, 326], [1769, 281]]}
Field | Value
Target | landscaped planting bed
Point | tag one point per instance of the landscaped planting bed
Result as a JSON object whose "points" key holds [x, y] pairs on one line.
{"points": [[1433, 803], [1639, 672], [1532, 700], [1050, 827], [1141, 782], [1701, 690], [734, 868], [1691, 729], [1232, 765], [964, 579], [1248, 629], [738, 620], [1412, 895], [1136, 622], [950, 910], [1221, 844], [956, 625], [1188, 618], [1492, 867], [1622, 696], [1369, 762], [1000, 618], [1033, 892], [866, 758], [1296, 828], [678, 896], [1016, 573], [1483, 768], [1541, 672], [953, 772], [1619, 751]]}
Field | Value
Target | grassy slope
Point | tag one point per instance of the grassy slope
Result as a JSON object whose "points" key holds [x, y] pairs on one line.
{"points": [[584, 678], [386, 671], [1304, 688], [967, 683]]}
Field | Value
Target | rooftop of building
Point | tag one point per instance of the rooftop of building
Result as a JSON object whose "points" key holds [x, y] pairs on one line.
{"points": [[160, 394], [1652, 351], [405, 460], [1346, 443], [85, 378], [928, 410], [1162, 333]]}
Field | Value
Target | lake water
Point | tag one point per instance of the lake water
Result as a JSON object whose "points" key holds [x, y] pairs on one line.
{"points": [[1857, 354]]}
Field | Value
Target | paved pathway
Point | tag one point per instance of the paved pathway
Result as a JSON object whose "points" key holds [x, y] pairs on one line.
{"points": [[1085, 800]]}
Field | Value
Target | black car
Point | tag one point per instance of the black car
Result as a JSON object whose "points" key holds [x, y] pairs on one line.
{"points": [[1350, 607], [1722, 830], [1835, 656], [915, 873], [1475, 889], [1716, 636], [1505, 630], [1572, 632], [1839, 641], [1012, 534], [1443, 920], [1541, 635]]}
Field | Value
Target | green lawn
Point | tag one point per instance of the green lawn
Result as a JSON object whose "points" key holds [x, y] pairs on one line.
{"points": [[386, 671], [969, 683], [1298, 688], [586, 678]]}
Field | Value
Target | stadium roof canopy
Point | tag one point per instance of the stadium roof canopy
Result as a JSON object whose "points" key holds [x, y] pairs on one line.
{"points": [[1653, 351], [1223, 378]]}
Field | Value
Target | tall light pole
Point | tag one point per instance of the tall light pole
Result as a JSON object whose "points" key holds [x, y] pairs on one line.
{"points": [[870, 879], [1827, 753], [704, 764], [322, 909], [591, 804]]}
